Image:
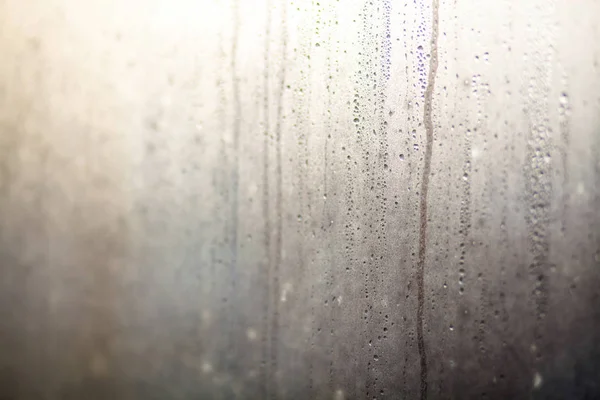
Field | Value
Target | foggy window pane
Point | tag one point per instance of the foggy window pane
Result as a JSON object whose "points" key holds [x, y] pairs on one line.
{"points": [[274, 199]]}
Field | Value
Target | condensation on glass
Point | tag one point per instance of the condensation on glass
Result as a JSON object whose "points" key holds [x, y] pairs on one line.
{"points": [[299, 199]]}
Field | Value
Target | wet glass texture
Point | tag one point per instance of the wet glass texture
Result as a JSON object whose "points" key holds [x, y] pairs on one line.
{"points": [[275, 199]]}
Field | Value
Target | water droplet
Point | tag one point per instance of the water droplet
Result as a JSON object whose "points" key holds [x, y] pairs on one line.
{"points": [[207, 368], [251, 334], [537, 380], [564, 100]]}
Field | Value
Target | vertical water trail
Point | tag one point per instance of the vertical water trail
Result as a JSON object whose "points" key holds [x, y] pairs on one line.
{"points": [[279, 197], [433, 64], [235, 172], [266, 273]]}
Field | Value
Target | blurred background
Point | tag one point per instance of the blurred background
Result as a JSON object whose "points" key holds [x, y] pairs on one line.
{"points": [[307, 199]]}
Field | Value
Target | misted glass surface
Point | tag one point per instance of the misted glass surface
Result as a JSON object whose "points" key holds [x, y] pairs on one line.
{"points": [[274, 199]]}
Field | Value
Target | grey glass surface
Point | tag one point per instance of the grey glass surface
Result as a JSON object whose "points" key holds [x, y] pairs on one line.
{"points": [[357, 199]]}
